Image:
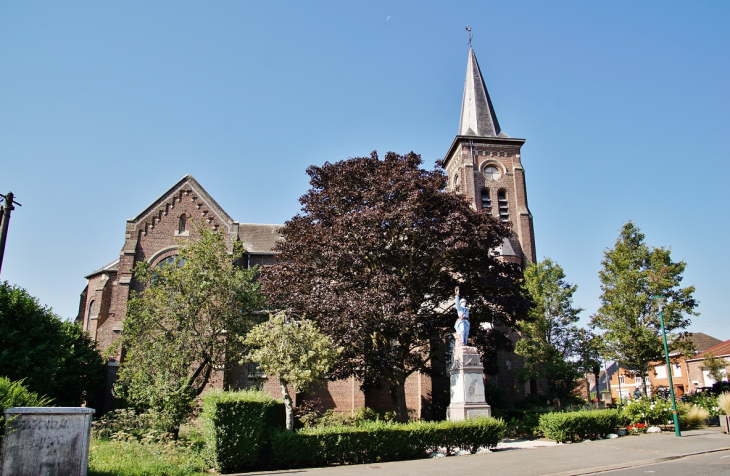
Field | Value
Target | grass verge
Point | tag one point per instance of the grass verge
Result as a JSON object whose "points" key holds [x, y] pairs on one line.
{"points": [[133, 458]]}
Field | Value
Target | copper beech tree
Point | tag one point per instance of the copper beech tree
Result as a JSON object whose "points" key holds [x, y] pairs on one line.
{"points": [[374, 256]]}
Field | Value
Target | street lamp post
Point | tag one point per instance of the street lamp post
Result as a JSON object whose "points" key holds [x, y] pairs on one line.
{"points": [[660, 304]]}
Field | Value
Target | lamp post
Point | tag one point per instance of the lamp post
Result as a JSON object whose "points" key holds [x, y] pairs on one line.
{"points": [[660, 304]]}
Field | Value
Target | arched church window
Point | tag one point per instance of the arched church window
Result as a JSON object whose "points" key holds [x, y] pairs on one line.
{"points": [[503, 206], [181, 224], [90, 313], [457, 183], [486, 201]]}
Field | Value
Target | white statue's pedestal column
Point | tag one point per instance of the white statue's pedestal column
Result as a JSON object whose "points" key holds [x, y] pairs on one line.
{"points": [[467, 386]]}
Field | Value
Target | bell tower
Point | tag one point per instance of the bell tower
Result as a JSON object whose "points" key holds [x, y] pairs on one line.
{"points": [[484, 164]]}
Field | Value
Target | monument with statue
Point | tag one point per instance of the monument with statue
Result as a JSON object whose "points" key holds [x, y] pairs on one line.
{"points": [[467, 383]]}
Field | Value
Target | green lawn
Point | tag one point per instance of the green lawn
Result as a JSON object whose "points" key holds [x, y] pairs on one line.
{"points": [[132, 458]]}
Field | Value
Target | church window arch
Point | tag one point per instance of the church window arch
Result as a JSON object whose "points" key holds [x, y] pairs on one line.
{"points": [[182, 223], [503, 205], [89, 314], [457, 183], [486, 201]]}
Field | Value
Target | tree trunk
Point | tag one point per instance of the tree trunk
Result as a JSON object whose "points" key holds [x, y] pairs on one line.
{"points": [[643, 383], [288, 405], [598, 386], [588, 388], [398, 397]]}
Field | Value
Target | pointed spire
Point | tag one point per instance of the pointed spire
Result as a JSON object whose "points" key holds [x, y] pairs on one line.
{"points": [[477, 114]]}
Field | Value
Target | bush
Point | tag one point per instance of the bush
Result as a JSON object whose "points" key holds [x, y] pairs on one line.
{"points": [[706, 400], [14, 394], [125, 425], [55, 358], [381, 441], [237, 427], [523, 424], [650, 411], [693, 417], [581, 425], [723, 401]]}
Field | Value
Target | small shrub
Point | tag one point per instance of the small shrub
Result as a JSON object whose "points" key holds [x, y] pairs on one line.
{"points": [[723, 401], [694, 417], [376, 441], [125, 425], [14, 394], [575, 426], [308, 413], [706, 400], [650, 411], [637, 428], [523, 425], [237, 427]]}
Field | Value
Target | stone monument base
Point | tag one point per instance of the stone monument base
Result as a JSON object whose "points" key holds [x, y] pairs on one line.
{"points": [[463, 411], [467, 385]]}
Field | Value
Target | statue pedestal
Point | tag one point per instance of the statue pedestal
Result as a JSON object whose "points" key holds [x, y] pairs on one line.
{"points": [[467, 386]]}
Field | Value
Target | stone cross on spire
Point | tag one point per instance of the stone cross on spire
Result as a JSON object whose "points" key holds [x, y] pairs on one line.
{"points": [[477, 113]]}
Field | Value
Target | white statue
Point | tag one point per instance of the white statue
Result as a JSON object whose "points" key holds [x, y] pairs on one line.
{"points": [[462, 325]]}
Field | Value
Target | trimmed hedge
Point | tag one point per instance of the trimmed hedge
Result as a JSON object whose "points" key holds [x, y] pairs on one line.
{"points": [[575, 426], [237, 428], [380, 441]]}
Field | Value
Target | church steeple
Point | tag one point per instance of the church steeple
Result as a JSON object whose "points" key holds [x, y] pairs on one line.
{"points": [[485, 166], [477, 113]]}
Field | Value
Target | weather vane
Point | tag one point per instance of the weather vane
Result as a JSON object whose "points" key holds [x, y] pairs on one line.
{"points": [[468, 28]]}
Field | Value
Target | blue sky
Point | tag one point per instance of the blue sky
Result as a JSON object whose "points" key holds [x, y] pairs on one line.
{"points": [[105, 105]]}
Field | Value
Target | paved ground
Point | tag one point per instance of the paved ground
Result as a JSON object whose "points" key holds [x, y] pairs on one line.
{"points": [[624, 455]]}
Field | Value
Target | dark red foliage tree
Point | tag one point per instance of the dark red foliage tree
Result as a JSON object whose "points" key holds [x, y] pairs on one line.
{"points": [[374, 257]]}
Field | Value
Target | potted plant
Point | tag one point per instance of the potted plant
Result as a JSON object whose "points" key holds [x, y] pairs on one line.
{"points": [[723, 401]]}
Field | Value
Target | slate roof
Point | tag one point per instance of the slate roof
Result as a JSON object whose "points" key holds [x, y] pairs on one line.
{"points": [[703, 341], [477, 113], [720, 350], [259, 239], [113, 267]]}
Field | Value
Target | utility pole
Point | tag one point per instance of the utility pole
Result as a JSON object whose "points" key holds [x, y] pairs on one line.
{"points": [[4, 221], [660, 304]]}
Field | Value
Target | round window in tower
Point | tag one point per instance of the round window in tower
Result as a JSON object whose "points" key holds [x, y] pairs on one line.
{"points": [[492, 172]]}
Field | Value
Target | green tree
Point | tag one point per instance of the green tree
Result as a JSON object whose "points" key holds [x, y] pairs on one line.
{"points": [[715, 365], [633, 273], [588, 349], [296, 352], [178, 328], [52, 357], [548, 336], [373, 256]]}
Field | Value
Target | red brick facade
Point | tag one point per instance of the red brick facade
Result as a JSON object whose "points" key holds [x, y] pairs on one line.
{"points": [[154, 235], [484, 165]]}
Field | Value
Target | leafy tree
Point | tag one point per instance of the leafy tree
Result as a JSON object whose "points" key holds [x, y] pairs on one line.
{"points": [[373, 256], [633, 273], [178, 327], [548, 336], [296, 352], [588, 349], [715, 365], [52, 357]]}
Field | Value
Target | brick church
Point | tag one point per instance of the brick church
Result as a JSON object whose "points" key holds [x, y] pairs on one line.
{"points": [[483, 163]]}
